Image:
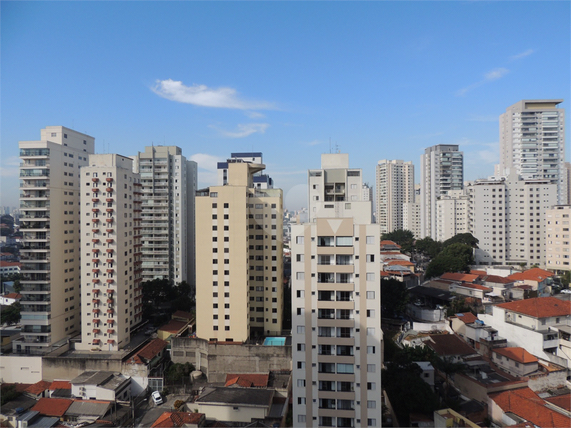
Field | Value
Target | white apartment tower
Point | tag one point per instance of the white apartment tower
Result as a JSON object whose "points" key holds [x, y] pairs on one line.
{"points": [[557, 242], [451, 215], [441, 170], [111, 289], [239, 290], [50, 222], [395, 187], [336, 327], [532, 141], [507, 216], [169, 184]]}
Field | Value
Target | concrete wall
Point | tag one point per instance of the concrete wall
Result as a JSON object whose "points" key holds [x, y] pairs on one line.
{"points": [[215, 360], [20, 369], [236, 413], [69, 368], [548, 380], [475, 390]]}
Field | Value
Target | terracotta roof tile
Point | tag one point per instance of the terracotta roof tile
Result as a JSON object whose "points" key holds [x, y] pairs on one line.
{"points": [[52, 406], [152, 349], [498, 279], [475, 287], [539, 307], [517, 354], [478, 272], [526, 404], [60, 384], [464, 277], [466, 317], [12, 296], [535, 274], [38, 387], [177, 419], [563, 401], [173, 326], [400, 262], [256, 380]]}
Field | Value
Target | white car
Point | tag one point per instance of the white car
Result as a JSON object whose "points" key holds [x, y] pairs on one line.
{"points": [[156, 396], [566, 291]]}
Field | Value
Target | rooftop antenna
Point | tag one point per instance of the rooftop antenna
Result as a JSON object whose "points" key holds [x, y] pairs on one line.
{"points": [[337, 148], [329, 145]]}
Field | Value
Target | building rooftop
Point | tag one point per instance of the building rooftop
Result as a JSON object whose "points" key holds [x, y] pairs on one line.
{"points": [[539, 307], [38, 387], [461, 277], [517, 354], [173, 326], [563, 401], [177, 419], [528, 405], [448, 345], [12, 296], [60, 384], [150, 351], [94, 408], [466, 317], [535, 274], [52, 406], [243, 396], [474, 286], [247, 380]]}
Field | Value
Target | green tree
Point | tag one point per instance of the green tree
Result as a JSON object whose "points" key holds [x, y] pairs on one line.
{"points": [[8, 393], [428, 246], [402, 237], [453, 258], [462, 238], [447, 366], [11, 314], [394, 296], [565, 279], [177, 372]]}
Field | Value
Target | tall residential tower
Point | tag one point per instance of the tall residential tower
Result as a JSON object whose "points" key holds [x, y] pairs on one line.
{"points": [[50, 222], [395, 187]]}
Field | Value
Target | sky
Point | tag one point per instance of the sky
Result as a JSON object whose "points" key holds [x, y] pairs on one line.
{"points": [[293, 80]]}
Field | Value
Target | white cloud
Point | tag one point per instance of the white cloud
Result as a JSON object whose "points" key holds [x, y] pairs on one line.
{"points": [[522, 54], [254, 115], [243, 130], [314, 143], [490, 76], [206, 161], [202, 95]]}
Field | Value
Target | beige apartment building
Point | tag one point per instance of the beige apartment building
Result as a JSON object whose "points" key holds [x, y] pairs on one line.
{"points": [[50, 222], [557, 242], [451, 215], [111, 290], [395, 187], [532, 142], [336, 325], [168, 183], [239, 293]]}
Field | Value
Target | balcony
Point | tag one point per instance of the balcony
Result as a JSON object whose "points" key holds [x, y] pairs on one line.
{"points": [[94, 199], [95, 230], [109, 240], [95, 179], [109, 220], [109, 200], [109, 230], [109, 189]]}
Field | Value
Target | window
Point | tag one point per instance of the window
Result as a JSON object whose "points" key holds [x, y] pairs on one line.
{"points": [[370, 239], [370, 258], [372, 422], [301, 383], [301, 365], [370, 331], [345, 368], [370, 313], [370, 294], [301, 346], [371, 368], [371, 386], [371, 404], [300, 329], [300, 275], [299, 239], [344, 241], [370, 276], [370, 349], [301, 418], [301, 401]]}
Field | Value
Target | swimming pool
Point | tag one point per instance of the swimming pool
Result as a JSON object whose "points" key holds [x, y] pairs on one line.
{"points": [[274, 341]]}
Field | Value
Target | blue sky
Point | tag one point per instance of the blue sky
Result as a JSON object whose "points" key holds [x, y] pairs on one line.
{"points": [[380, 80]]}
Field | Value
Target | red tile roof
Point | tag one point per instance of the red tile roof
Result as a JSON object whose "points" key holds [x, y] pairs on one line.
{"points": [[539, 307], [449, 344], [151, 350], [466, 317], [38, 387], [517, 354], [498, 279], [12, 296], [52, 406], [8, 264], [526, 404], [400, 262], [390, 243], [478, 272], [464, 277], [563, 401], [177, 419], [256, 380], [475, 287], [173, 326], [60, 384], [535, 274]]}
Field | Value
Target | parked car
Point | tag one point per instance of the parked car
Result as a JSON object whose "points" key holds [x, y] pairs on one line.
{"points": [[149, 331], [156, 396]]}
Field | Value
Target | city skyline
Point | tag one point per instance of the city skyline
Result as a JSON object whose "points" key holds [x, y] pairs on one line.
{"points": [[374, 80]]}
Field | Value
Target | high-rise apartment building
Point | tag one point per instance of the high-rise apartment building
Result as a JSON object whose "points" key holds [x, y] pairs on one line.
{"points": [[557, 242], [441, 170], [261, 181], [111, 291], [336, 327], [336, 182], [239, 266], [411, 218], [451, 215], [507, 216], [50, 222], [168, 182], [395, 187], [532, 141]]}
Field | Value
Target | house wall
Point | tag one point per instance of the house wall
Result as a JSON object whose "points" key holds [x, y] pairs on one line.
{"points": [[20, 369], [229, 413], [548, 380], [69, 368], [513, 367], [479, 391], [428, 315]]}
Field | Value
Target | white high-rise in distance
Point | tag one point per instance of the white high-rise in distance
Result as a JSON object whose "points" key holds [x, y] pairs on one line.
{"points": [[532, 141], [395, 187]]}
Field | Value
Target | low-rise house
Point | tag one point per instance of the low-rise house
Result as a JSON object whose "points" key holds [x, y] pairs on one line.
{"points": [[427, 374], [9, 268], [470, 290], [10, 298], [427, 303], [515, 361], [447, 418], [524, 405], [238, 405], [459, 321], [460, 277], [172, 328], [8, 335], [247, 380], [450, 347], [144, 363], [13, 408], [535, 325], [102, 385], [38, 390], [539, 279], [87, 411], [60, 389]]}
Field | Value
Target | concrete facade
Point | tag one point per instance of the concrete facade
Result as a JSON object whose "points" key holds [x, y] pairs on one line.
{"points": [[394, 187], [532, 142], [451, 215], [50, 223], [557, 242]]}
